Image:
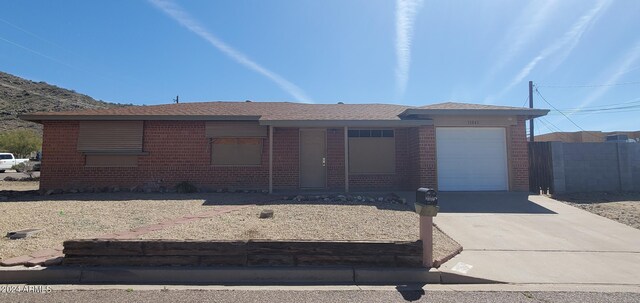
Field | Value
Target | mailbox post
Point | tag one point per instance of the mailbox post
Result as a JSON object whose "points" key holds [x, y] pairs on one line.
{"points": [[427, 207]]}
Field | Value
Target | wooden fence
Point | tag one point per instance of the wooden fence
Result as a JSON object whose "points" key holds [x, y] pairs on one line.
{"points": [[540, 168]]}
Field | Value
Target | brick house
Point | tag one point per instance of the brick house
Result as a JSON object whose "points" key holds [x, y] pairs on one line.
{"points": [[288, 146]]}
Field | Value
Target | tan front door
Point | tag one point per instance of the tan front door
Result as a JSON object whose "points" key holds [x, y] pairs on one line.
{"points": [[313, 158]]}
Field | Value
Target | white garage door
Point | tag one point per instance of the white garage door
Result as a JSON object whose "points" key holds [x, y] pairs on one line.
{"points": [[471, 159]]}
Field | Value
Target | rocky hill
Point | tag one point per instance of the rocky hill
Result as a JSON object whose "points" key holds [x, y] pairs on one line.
{"points": [[20, 96]]}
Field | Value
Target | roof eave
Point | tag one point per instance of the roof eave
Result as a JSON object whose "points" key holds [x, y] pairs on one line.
{"points": [[348, 123], [40, 118], [530, 113]]}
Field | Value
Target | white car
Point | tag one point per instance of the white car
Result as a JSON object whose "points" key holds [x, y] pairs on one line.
{"points": [[7, 160]]}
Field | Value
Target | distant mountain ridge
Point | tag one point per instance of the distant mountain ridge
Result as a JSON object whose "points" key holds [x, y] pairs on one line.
{"points": [[20, 96]]}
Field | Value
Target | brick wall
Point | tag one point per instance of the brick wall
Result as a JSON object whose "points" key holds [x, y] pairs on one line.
{"points": [[335, 159], [519, 154], [426, 171], [178, 151], [286, 160]]}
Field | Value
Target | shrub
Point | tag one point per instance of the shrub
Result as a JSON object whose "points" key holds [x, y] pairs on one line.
{"points": [[25, 168], [20, 142], [185, 187]]}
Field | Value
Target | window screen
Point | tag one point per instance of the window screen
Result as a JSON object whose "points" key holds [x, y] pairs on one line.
{"points": [[110, 136], [372, 151], [236, 151]]}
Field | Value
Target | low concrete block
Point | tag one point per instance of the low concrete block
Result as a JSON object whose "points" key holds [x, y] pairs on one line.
{"points": [[219, 275], [40, 275], [395, 276]]}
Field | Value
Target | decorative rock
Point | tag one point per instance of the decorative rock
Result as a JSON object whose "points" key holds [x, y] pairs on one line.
{"points": [[49, 192], [20, 234], [380, 199], [266, 213]]}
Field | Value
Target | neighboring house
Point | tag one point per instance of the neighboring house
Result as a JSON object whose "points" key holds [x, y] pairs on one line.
{"points": [[293, 146], [590, 136]]}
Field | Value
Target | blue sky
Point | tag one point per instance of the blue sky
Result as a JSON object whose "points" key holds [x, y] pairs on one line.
{"points": [[357, 51]]}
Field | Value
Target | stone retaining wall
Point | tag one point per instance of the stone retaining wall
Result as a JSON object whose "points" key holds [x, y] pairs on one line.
{"points": [[242, 253]]}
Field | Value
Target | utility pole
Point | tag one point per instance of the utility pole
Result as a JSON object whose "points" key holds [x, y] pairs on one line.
{"points": [[531, 106]]}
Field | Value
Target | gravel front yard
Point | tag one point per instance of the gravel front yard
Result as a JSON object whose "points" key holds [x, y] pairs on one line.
{"points": [[78, 216], [312, 222], [623, 207], [85, 216], [19, 185]]}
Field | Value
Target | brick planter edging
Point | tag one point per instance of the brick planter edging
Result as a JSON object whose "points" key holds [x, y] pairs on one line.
{"points": [[113, 252]]}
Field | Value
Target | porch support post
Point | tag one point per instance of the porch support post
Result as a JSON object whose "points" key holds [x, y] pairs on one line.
{"points": [[270, 159], [346, 159]]}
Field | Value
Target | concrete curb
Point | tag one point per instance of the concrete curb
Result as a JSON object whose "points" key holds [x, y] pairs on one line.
{"points": [[229, 275]]}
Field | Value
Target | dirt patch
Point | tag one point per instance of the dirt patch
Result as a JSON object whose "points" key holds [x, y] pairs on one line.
{"points": [[621, 207]]}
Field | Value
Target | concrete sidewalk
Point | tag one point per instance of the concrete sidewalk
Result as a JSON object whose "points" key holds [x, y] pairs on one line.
{"points": [[534, 239]]}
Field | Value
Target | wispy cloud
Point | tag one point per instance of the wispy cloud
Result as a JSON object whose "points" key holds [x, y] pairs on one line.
{"points": [[526, 27], [564, 45], [623, 67], [406, 11], [183, 18]]}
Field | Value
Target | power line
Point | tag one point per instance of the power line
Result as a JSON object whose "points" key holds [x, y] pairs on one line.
{"points": [[631, 101], [603, 112], [545, 100], [525, 101], [554, 129], [590, 85]]}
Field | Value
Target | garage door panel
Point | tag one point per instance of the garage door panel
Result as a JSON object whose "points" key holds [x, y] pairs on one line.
{"points": [[471, 159]]}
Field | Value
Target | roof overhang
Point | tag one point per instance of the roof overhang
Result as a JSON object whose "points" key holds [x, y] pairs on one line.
{"points": [[349, 123], [529, 113], [40, 118]]}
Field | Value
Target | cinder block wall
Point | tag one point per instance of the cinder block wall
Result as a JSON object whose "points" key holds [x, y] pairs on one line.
{"points": [[587, 167], [634, 151]]}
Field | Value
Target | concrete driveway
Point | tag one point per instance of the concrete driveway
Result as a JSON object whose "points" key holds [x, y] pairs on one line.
{"points": [[515, 238]]}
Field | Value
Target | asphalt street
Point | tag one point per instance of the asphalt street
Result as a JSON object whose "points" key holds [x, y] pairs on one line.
{"points": [[176, 296]]}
